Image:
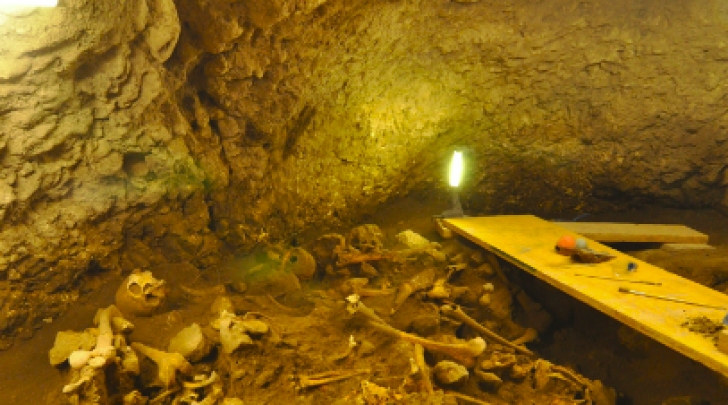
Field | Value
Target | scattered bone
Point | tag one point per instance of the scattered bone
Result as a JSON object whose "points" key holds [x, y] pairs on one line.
{"points": [[440, 290], [498, 361], [232, 401], [355, 305], [450, 373], [88, 366], [544, 370], [328, 377], [121, 325], [347, 258], [135, 398], [168, 364], [104, 350], [232, 333], [419, 281], [411, 239], [466, 398], [191, 343], [519, 372], [357, 286], [495, 266], [457, 313], [211, 388], [484, 300], [528, 337], [349, 350], [254, 327], [353, 257], [424, 369], [465, 353], [68, 342], [488, 378], [368, 270], [129, 361], [140, 294]]}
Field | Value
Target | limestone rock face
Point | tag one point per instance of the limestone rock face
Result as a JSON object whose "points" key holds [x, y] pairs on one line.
{"points": [[91, 143], [323, 110], [129, 127]]}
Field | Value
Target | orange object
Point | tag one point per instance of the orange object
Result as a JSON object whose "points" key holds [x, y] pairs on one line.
{"points": [[565, 245]]}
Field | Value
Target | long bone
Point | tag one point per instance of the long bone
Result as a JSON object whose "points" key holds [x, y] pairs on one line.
{"points": [[104, 350], [167, 363], [465, 353], [455, 312]]}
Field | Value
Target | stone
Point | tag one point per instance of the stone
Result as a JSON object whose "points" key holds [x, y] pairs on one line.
{"points": [[450, 373]]}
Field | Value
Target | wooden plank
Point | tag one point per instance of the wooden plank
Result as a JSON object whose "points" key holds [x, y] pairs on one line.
{"points": [[616, 232], [528, 242], [685, 247]]}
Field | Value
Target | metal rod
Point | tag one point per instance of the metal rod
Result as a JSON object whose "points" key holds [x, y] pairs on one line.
{"points": [[627, 290], [619, 279]]}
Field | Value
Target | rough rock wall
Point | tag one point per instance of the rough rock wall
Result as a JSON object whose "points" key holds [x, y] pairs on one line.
{"points": [[325, 109], [125, 124], [91, 153]]}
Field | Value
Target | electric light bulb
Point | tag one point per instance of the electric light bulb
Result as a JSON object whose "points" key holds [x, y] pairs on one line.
{"points": [[456, 169]]}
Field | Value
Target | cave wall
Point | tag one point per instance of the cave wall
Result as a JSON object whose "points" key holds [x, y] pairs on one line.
{"points": [[327, 109], [136, 132], [92, 152]]}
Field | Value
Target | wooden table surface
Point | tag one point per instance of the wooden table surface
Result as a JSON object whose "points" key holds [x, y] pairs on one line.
{"points": [[528, 242]]}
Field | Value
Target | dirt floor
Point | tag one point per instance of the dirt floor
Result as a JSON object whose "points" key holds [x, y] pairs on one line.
{"points": [[319, 345]]}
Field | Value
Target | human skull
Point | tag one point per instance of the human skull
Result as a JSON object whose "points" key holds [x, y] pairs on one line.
{"points": [[366, 238], [140, 294]]}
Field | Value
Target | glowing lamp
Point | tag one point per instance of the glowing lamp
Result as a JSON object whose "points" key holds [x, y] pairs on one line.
{"points": [[456, 174], [456, 168], [29, 3]]}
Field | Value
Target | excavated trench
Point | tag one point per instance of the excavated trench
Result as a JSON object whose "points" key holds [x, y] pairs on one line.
{"points": [[265, 160]]}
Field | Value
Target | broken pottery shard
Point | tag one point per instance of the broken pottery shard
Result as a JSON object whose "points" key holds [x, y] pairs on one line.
{"points": [[300, 263], [191, 343]]}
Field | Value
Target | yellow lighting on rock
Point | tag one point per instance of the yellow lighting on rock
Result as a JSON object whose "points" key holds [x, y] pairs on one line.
{"points": [[29, 3], [456, 169]]}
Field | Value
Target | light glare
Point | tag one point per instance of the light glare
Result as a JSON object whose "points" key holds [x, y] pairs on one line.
{"points": [[456, 169], [29, 3]]}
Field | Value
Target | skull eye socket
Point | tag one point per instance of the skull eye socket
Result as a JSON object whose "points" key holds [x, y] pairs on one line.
{"points": [[135, 288], [293, 259]]}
